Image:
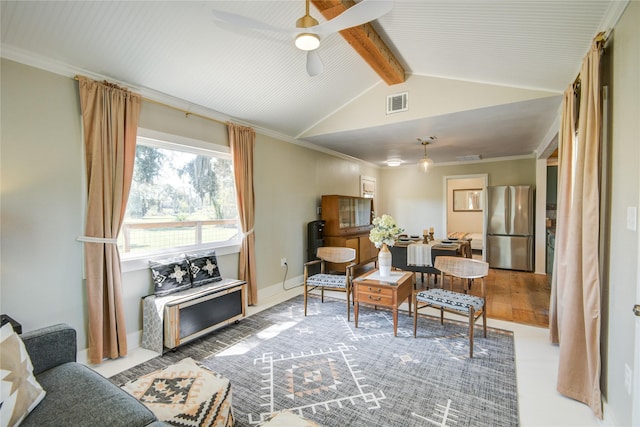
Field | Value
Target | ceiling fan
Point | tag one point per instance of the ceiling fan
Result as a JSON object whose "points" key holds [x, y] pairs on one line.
{"points": [[309, 32]]}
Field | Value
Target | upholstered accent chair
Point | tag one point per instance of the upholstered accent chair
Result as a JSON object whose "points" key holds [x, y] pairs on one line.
{"points": [[450, 301], [333, 282]]}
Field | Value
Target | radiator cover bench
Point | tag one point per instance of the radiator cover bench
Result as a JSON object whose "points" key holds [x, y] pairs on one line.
{"points": [[172, 320]]}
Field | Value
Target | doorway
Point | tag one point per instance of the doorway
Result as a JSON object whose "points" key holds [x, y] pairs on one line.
{"points": [[465, 210]]}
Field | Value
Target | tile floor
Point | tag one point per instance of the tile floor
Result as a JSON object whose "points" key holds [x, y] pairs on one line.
{"points": [[536, 365]]}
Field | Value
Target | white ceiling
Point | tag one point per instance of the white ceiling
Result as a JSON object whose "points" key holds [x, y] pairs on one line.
{"points": [[177, 50]]}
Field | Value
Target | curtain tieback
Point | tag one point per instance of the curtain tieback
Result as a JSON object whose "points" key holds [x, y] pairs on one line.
{"points": [[90, 239], [244, 235]]}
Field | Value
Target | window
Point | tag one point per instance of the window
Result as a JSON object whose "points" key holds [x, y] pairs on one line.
{"points": [[182, 198]]}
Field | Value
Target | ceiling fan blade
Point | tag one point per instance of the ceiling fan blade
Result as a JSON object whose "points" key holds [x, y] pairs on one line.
{"points": [[243, 21], [360, 13], [314, 63]]}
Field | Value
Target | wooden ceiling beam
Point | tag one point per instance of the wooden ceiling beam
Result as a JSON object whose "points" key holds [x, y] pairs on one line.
{"points": [[366, 41]]}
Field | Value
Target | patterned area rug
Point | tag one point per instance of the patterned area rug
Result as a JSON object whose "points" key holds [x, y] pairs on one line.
{"points": [[323, 368]]}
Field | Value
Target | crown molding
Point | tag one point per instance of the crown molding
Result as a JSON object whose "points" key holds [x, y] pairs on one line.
{"points": [[614, 12]]}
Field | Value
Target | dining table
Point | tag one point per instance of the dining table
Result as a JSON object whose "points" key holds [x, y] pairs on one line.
{"points": [[402, 260]]}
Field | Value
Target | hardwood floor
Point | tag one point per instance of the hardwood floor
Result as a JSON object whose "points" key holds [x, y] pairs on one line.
{"points": [[518, 297], [514, 296]]}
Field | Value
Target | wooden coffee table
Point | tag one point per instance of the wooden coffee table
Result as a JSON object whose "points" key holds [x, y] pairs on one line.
{"points": [[387, 292]]}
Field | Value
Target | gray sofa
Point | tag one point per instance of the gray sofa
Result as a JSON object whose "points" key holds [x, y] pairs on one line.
{"points": [[76, 394]]}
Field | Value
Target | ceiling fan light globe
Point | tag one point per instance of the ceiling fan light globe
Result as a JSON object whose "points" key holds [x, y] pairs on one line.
{"points": [[424, 164], [307, 41]]}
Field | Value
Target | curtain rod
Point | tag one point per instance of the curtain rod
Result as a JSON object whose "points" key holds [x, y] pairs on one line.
{"points": [[186, 113], [599, 38]]}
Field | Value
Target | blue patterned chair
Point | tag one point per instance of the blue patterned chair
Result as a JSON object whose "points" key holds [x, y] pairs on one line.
{"points": [[464, 304], [333, 282]]}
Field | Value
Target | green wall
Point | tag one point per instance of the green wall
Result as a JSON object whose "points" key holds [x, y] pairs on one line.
{"points": [[43, 201]]}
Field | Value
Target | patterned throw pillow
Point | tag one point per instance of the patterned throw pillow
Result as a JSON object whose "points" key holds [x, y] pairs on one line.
{"points": [[185, 394], [170, 275], [21, 393], [204, 268]]}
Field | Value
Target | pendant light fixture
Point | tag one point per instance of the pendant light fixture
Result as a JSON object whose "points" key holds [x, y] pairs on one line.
{"points": [[425, 162]]}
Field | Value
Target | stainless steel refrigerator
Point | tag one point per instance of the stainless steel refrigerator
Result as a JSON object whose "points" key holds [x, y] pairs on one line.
{"points": [[510, 227]]}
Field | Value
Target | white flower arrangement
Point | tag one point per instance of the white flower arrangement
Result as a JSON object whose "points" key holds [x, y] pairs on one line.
{"points": [[384, 231]]}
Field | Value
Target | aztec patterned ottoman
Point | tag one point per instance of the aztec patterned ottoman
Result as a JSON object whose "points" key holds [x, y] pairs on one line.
{"points": [[185, 393]]}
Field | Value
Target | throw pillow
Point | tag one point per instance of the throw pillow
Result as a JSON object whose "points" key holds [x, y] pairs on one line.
{"points": [[204, 268], [21, 393], [185, 394], [170, 275]]}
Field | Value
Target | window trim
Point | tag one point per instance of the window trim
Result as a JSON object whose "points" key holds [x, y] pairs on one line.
{"points": [[135, 262], [141, 262]]}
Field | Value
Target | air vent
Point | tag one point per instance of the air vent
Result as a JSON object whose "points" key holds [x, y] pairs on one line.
{"points": [[469, 158], [398, 102]]}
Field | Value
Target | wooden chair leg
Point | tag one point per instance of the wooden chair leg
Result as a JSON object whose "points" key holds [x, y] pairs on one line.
{"points": [[484, 319], [415, 314], [471, 322], [441, 316], [322, 294], [348, 306], [305, 298]]}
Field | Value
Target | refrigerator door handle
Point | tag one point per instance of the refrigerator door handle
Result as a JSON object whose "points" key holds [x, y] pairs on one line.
{"points": [[507, 210]]}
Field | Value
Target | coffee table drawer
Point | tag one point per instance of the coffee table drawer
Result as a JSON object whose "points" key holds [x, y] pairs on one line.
{"points": [[375, 298], [375, 290]]}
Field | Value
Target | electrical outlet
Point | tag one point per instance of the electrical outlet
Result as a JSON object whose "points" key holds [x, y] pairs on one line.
{"points": [[283, 262], [628, 375]]}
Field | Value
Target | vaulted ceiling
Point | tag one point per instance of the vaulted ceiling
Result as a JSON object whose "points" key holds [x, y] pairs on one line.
{"points": [[485, 77]]}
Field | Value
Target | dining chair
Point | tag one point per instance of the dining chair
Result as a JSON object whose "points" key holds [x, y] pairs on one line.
{"points": [[325, 280], [471, 306]]}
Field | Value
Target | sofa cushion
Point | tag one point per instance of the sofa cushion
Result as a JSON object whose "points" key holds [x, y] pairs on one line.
{"points": [[78, 396], [21, 393]]}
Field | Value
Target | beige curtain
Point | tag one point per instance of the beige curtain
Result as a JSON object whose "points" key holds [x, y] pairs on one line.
{"points": [[575, 298], [110, 119], [242, 143]]}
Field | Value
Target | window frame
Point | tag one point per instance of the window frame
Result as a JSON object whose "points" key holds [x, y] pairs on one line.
{"points": [[138, 261]]}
